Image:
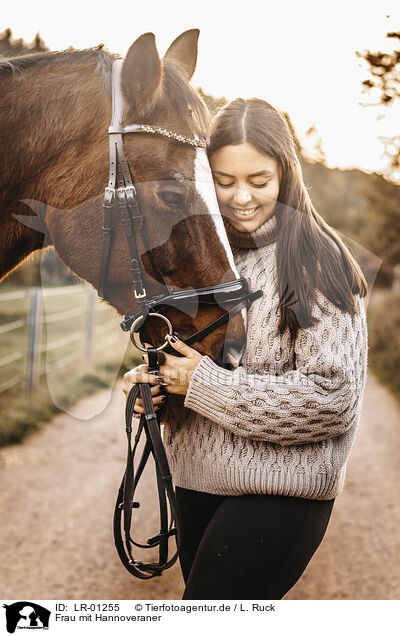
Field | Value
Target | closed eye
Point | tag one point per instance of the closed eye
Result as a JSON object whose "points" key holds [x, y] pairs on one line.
{"points": [[253, 185], [260, 185], [172, 198], [224, 185]]}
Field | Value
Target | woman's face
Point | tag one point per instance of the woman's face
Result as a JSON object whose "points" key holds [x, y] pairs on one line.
{"points": [[247, 185]]}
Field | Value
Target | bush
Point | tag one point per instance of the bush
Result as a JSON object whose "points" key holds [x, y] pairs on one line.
{"points": [[384, 339]]}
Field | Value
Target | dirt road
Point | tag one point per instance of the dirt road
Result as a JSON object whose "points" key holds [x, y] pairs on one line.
{"points": [[57, 498]]}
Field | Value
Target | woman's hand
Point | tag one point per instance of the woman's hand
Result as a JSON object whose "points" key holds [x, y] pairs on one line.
{"points": [[139, 374], [177, 372]]}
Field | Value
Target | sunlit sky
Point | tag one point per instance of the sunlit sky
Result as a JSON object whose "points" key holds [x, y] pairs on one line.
{"points": [[300, 56]]}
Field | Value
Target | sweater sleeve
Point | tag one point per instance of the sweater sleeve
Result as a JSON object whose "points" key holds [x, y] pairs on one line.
{"points": [[320, 399]]}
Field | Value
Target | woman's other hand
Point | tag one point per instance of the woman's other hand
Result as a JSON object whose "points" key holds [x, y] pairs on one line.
{"points": [[140, 374]]}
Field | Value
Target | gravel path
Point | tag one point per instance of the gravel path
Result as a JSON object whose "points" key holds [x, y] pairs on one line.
{"points": [[57, 498]]}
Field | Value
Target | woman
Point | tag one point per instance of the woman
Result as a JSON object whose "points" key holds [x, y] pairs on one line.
{"points": [[258, 454]]}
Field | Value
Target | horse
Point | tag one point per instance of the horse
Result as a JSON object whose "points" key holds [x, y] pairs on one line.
{"points": [[55, 112]]}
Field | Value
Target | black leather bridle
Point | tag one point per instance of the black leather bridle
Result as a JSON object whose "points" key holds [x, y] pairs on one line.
{"points": [[233, 296]]}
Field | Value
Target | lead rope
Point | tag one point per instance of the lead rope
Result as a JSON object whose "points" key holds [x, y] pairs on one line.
{"points": [[150, 424]]}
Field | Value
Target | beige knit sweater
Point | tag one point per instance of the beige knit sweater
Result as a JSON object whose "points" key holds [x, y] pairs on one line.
{"points": [[267, 427]]}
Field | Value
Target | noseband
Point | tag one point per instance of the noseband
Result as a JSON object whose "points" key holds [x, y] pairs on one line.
{"points": [[233, 296]]}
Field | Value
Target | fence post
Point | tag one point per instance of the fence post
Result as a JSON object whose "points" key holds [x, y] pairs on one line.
{"points": [[34, 331], [90, 316]]}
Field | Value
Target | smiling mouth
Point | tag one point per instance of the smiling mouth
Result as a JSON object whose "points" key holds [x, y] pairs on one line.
{"points": [[245, 213]]}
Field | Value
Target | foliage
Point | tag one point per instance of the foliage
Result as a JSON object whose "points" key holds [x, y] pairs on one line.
{"points": [[385, 72], [364, 208], [384, 81], [214, 104], [384, 69], [12, 48], [384, 339]]}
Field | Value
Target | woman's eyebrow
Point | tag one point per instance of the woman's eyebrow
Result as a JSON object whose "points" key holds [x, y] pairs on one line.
{"points": [[261, 173], [224, 174], [266, 173]]}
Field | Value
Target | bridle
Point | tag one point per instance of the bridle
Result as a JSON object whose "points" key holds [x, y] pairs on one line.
{"points": [[233, 296]]}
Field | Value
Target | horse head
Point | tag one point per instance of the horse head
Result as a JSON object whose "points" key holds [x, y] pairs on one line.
{"points": [[188, 242]]}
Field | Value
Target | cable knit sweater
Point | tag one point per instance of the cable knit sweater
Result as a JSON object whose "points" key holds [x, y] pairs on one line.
{"points": [[272, 426]]}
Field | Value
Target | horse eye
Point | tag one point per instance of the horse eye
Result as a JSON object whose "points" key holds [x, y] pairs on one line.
{"points": [[171, 198]]}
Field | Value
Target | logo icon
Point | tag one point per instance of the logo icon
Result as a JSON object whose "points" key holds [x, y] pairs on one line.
{"points": [[26, 615]]}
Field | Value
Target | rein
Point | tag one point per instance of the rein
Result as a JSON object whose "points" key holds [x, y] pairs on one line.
{"points": [[150, 425], [233, 296]]}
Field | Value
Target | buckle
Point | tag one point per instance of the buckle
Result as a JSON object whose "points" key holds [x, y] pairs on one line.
{"points": [[142, 294], [127, 190], [109, 194]]}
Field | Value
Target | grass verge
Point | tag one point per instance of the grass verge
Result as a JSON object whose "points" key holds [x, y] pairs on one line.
{"points": [[21, 415], [384, 339]]}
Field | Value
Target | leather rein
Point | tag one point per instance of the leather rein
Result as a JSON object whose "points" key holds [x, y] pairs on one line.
{"points": [[233, 296]]}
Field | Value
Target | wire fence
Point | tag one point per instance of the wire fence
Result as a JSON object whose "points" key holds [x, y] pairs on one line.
{"points": [[49, 329]]}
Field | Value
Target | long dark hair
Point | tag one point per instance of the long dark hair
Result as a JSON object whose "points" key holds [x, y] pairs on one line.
{"points": [[309, 253]]}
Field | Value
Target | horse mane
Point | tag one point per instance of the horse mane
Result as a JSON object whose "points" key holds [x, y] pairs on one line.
{"points": [[187, 102], [23, 63]]}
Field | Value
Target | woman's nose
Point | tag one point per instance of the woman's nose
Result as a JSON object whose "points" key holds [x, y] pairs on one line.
{"points": [[242, 196]]}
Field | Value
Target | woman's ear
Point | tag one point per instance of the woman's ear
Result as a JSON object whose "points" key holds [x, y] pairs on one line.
{"points": [[183, 52], [141, 75]]}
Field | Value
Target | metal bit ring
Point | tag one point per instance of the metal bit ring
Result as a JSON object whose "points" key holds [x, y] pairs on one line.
{"points": [[133, 333]]}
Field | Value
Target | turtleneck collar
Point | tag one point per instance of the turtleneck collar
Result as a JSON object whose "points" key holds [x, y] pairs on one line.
{"points": [[264, 235]]}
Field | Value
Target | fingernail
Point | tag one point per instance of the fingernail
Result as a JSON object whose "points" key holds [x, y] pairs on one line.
{"points": [[160, 381]]}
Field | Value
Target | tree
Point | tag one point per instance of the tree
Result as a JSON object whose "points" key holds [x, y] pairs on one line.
{"points": [[315, 153], [384, 69], [12, 48], [214, 104]]}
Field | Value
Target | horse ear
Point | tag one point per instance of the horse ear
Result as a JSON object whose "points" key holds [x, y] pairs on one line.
{"points": [[183, 52], [141, 74]]}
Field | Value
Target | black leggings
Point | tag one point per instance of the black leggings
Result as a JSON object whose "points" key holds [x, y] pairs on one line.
{"points": [[247, 546]]}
